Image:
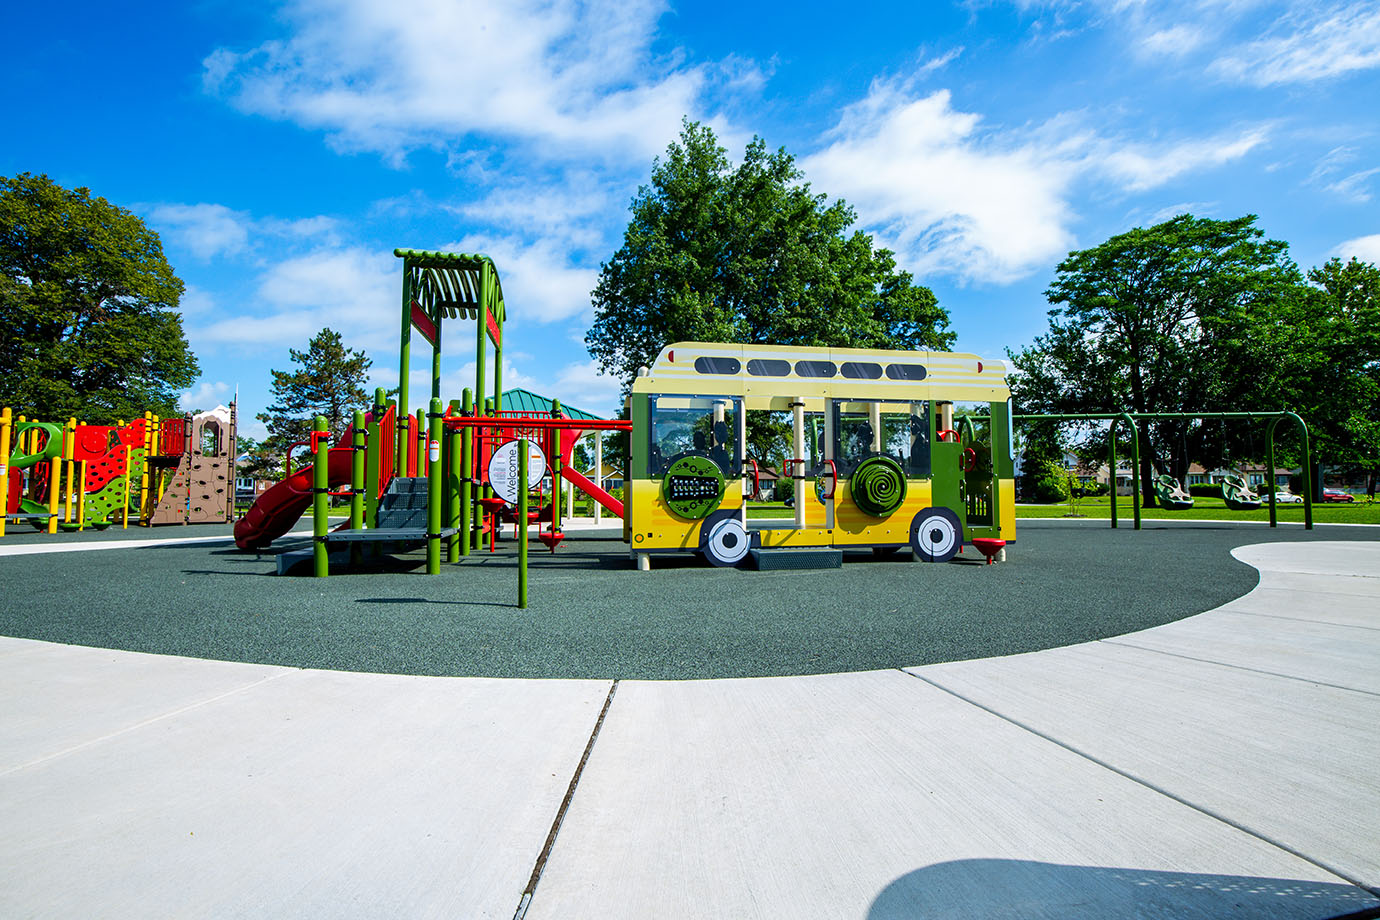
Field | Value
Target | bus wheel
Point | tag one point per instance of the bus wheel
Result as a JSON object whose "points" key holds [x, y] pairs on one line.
{"points": [[935, 535], [728, 543]]}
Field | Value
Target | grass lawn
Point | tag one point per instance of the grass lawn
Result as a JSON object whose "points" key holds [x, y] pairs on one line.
{"points": [[1213, 509]]}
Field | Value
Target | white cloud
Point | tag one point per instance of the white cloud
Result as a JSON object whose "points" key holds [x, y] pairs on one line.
{"points": [[940, 62], [1309, 45], [195, 301], [539, 284], [568, 74], [985, 205], [1140, 167], [566, 209], [206, 230], [1353, 187], [918, 171], [352, 290], [581, 385], [210, 231], [1196, 208], [204, 396], [1365, 248], [1174, 41]]}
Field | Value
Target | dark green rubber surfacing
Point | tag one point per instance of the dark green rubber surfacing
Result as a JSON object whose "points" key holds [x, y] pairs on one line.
{"points": [[593, 615]]}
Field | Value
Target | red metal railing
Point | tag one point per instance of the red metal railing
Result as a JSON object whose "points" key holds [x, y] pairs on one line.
{"points": [[388, 431], [172, 437]]}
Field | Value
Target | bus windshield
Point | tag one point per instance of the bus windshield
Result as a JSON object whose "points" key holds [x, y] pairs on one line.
{"points": [[705, 426]]}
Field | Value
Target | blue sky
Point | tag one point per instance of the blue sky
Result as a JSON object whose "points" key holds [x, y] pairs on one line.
{"points": [[282, 150]]}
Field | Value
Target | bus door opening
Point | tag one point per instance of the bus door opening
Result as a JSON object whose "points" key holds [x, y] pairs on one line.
{"points": [[973, 422]]}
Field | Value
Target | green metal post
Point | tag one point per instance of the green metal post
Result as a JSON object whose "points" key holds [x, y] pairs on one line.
{"points": [[556, 467], [467, 476], [480, 351], [1135, 468], [1308, 483], [358, 445], [420, 434], [436, 359], [487, 490], [433, 490], [1270, 465], [321, 484], [454, 474], [404, 366], [373, 459], [1111, 467], [522, 523]]}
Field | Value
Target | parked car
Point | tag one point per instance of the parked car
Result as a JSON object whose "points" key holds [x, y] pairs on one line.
{"points": [[1337, 495], [1288, 498]]}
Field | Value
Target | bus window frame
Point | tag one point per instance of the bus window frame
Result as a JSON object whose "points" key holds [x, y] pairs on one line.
{"points": [[656, 468]]}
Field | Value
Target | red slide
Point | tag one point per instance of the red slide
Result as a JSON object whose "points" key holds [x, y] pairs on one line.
{"points": [[584, 483], [274, 513]]}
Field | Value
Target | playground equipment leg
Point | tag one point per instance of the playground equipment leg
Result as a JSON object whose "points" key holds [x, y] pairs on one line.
{"points": [[69, 443], [55, 485], [81, 495], [522, 523], [358, 445], [433, 488], [453, 476], [598, 471], [5, 425], [467, 478], [321, 560]]}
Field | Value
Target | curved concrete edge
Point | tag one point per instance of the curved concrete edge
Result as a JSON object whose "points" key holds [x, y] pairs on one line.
{"points": [[1197, 769]]}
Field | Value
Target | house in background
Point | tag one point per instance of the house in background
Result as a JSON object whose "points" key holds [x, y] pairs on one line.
{"points": [[1254, 473]]}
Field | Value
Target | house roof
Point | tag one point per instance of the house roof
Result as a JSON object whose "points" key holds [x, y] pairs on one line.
{"points": [[526, 401], [610, 472]]}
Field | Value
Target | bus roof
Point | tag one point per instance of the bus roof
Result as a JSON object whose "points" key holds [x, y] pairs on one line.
{"points": [[791, 371]]}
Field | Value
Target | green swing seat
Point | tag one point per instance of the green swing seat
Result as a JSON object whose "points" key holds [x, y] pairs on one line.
{"points": [[1171, 495], [1238, 494]]}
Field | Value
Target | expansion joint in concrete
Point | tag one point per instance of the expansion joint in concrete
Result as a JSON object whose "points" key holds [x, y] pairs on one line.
{"points": [[526, 900], [1238, 667], [1313, 620], [1341, 874], [141, 724]]}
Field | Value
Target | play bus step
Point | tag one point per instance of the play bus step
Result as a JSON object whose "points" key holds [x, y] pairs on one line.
{"points": [[814, 558]]}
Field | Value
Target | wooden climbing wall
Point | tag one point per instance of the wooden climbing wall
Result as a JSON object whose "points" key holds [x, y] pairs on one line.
{"points": [[202, 489]]}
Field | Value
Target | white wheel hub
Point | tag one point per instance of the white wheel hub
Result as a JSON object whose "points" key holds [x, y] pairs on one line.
{"points": [[728, 543]]}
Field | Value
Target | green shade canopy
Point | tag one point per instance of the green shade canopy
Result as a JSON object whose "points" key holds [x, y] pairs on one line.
{"points": [[527, 401]]}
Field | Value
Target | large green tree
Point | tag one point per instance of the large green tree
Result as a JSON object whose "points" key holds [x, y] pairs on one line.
{"points": [[328, 381], [1164, 319], [88, 307], [1322, 355], [718, 253]]}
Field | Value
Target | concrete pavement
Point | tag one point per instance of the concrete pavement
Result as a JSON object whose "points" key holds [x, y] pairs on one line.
{"points": [[1219, 765]]}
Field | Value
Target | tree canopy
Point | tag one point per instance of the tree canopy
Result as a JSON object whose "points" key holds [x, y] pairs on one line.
{"points": [[1322, 356], [329, 381], [1198, 315], [1162, 319], [717, 253], [88, 321]]}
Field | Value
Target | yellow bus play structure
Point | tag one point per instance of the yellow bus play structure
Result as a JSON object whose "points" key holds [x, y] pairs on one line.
{"points": [[891, 450]]}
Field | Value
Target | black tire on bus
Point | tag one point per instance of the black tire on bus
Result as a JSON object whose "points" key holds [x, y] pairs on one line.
{"points": [[936, 535]]}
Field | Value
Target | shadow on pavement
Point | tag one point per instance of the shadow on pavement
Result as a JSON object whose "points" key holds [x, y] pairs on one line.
{"points": [[983, 889]]}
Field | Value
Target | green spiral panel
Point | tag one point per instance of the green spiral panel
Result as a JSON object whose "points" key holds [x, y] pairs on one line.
{"points": [[878, 486]]}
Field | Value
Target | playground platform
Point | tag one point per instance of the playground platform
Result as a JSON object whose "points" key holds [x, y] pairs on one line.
{"points": [[1210, 765]]}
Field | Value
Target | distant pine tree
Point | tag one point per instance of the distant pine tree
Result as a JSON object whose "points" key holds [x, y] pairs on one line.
{"points": [[329, 382]]}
